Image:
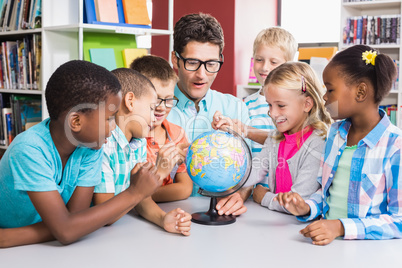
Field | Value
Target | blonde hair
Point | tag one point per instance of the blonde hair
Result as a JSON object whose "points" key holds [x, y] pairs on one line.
{"points": [[277, 37], [295, 76]]}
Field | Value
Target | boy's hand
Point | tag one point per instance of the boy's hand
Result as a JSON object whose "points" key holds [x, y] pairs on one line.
{"points": [[167, 158], [177, 221], [293, 203], [231, 205], [145, 181], [323, 232], [224, 123], [259, 193]]}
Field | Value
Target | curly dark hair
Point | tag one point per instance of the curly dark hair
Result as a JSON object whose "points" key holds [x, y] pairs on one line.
{"points": [[200, 27], [353, 68], [133, 81], [154, 67], [78, 82]]}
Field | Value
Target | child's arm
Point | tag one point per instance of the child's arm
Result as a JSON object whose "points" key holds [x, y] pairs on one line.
{"points": [[234, 203], [386, 219], [304, 181], [68, 227], [99, 198], [179, 190], [38, 232], [223, 123], [294, 203], [323, 232], [175, 221]]}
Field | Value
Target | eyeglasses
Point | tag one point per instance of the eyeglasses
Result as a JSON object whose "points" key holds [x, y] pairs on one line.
{"points": [[212, 66], [169, 103]]}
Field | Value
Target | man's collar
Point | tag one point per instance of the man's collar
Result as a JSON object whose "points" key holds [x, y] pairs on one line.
{"points": [[184, 101]]}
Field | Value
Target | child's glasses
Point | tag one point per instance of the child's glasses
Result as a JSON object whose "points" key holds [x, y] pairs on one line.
{"points": [[212, 66], [169, 103]]}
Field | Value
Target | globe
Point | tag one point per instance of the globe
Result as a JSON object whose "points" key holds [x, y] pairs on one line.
{"points": [[219, 163]]}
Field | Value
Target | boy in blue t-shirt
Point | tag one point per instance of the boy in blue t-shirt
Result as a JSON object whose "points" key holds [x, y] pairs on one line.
{"points": [[49, 172]]}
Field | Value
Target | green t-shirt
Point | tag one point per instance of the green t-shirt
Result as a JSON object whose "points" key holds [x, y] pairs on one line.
{"points": [[339, 189]]}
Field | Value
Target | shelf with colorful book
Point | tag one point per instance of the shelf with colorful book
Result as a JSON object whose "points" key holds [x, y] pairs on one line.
{"points": [[376, 23], [69, 30], [21, 93], [64, 33]]}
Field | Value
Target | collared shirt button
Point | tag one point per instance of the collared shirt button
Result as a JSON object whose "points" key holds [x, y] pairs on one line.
{"points": [[331, 175]]}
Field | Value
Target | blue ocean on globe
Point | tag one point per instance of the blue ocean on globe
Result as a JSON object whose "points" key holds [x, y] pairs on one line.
{"points": [[216, 161]]}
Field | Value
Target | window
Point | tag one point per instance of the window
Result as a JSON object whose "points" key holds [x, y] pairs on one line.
{"points": [[312, 21]]}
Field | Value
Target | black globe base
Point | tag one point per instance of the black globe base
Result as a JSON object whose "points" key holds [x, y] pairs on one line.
{"points": [[211, 217]]}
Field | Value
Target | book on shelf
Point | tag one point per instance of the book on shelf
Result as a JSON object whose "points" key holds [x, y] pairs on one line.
{"points": [[130, 54], [395, 85], [372, 30], [90, 15], [2, 130], [20, 14], [104, 57], [19, 112], [6, 114], [391, 111], [136, 12], [106, 11], [20, 63]]}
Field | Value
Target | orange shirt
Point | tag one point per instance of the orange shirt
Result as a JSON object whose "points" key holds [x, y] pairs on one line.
{"points": [[174, 133]]}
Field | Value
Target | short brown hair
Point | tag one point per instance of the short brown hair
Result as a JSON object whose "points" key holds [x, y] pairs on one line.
{"points": [[132, 81], [200, 27], [154, 67]]}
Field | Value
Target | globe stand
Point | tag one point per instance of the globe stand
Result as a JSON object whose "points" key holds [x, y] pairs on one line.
{"points": [[211, 217]]}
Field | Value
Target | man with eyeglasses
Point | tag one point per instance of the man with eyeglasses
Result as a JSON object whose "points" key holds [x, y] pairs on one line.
{"points": [[197, 57]]}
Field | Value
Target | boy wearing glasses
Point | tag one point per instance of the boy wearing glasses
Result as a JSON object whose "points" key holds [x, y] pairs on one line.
{"points": [[197, 57], [162, 131], [125, 152]]}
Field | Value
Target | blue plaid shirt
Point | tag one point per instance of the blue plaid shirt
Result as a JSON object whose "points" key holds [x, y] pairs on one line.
{"points": [[119, 158], [375, 195]]}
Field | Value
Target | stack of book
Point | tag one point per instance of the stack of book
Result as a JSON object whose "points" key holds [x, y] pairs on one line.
{"points": [[20, 14], [20, 63], [372, 30]]}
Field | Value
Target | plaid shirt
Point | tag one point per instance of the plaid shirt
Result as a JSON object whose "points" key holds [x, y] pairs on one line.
{"points": [[119, 158], [375, 195]]}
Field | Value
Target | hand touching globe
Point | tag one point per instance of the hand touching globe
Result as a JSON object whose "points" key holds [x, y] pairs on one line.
{"points": [[219, 163]]}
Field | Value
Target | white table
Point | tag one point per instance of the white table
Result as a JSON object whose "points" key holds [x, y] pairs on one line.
{"points": [[259, 238]]}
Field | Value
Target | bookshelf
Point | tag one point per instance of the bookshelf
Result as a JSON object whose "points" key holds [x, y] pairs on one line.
{"points": [[64, 35], [386, 41]]}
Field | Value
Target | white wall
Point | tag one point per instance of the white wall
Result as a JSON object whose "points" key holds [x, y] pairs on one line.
{"points": [[251, 17]]}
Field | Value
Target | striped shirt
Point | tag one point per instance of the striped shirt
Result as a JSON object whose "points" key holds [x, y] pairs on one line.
{"points": [[374, 206], [259, 118], [119, 158]]}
